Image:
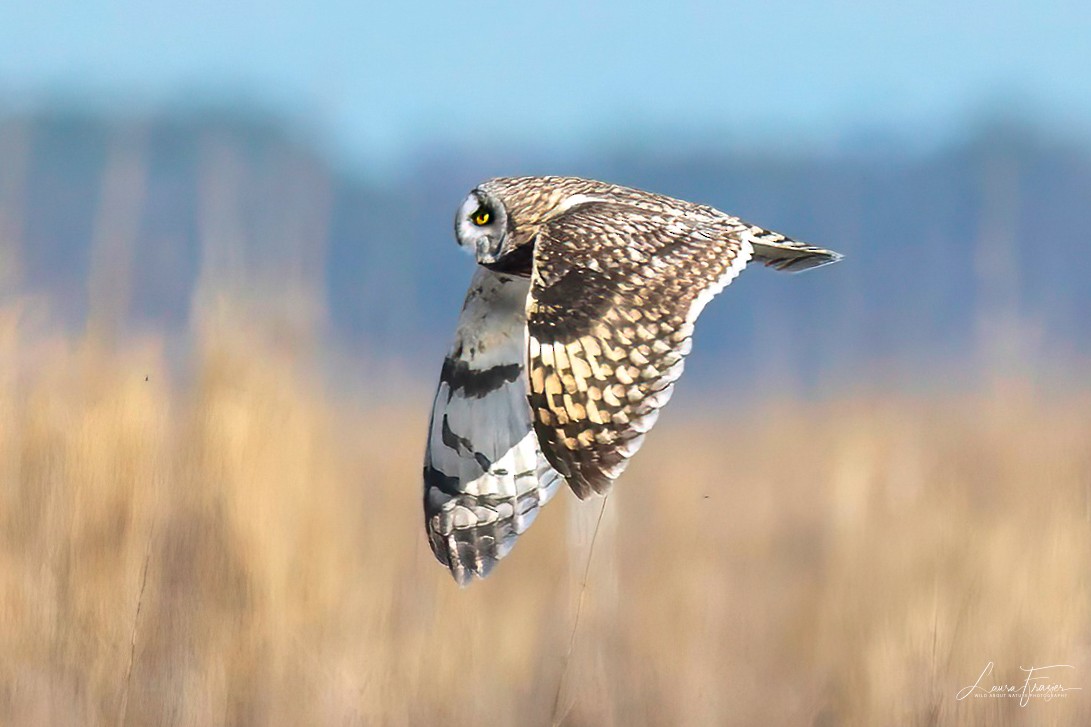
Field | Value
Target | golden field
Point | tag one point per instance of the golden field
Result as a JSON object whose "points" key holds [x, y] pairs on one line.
{"points": [[241, 544]]}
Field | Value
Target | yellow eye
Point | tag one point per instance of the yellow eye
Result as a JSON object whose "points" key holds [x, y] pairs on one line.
{"points": [[481, 217]]}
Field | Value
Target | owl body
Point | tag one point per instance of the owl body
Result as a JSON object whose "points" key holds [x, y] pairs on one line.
{"points": [[574, 331]]}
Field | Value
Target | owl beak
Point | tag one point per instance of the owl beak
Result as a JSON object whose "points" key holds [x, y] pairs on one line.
{"points": [[487, 251]]}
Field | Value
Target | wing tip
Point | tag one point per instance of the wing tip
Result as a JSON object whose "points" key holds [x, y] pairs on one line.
{"points": [[588, 481], [465, 555], [470, 534]]}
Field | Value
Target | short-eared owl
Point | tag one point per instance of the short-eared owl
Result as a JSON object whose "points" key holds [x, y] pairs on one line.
{"points": [[574, 330]]}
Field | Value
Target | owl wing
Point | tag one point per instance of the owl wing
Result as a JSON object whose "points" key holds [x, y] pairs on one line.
{"points": [[615, 291], [484, 475]]}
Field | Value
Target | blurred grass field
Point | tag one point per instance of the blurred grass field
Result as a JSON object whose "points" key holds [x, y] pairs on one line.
{"points": [[242, 544]]}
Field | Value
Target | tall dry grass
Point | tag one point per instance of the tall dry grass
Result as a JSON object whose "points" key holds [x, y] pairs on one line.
{"points": [[242, 544]]}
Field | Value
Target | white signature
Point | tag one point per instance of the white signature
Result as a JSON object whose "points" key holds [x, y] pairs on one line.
{"points": [[1037, 684]]}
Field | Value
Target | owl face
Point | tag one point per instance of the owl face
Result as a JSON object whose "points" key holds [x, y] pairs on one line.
{"points": [[481, 227]]}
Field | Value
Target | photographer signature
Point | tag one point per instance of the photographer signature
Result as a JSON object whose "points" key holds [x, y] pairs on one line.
{"points": [[1039, 683]]}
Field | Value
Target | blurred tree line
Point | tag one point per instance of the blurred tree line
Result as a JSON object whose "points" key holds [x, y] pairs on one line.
{"points": [[970, 255]]}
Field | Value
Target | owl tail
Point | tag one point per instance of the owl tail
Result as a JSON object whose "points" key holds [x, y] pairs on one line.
{"points": [[783, 253]]}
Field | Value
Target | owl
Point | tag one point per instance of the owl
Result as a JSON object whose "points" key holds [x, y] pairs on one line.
{"points": [[574, 330]]}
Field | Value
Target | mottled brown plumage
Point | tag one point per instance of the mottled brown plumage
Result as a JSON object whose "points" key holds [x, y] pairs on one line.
{"points": [[617, 279], [608, 332]]}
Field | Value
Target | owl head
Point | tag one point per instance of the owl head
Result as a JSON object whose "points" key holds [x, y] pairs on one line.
{"points": [[498, 221], [483, 227]]}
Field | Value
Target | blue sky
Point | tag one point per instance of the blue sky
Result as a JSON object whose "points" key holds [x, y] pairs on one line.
{"points": [[385, 78]]}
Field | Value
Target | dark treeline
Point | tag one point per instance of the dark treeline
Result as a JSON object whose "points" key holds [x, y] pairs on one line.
{"points": [[971, 253]]}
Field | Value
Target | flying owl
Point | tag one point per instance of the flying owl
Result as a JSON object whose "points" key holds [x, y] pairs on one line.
{"points": [[575, 327]]}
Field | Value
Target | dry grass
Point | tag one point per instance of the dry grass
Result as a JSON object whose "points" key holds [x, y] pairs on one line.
{"points": [[854, 562]]}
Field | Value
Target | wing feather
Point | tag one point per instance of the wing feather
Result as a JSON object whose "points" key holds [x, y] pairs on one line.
{"points": [[615, 292], [484, 475]]}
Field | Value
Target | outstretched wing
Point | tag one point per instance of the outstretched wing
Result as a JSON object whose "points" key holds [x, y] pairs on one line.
{"points": [[484, 476], [615, 292]]}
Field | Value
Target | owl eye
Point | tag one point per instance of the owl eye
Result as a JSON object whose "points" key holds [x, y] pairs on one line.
{"points": [[481, 217]]}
